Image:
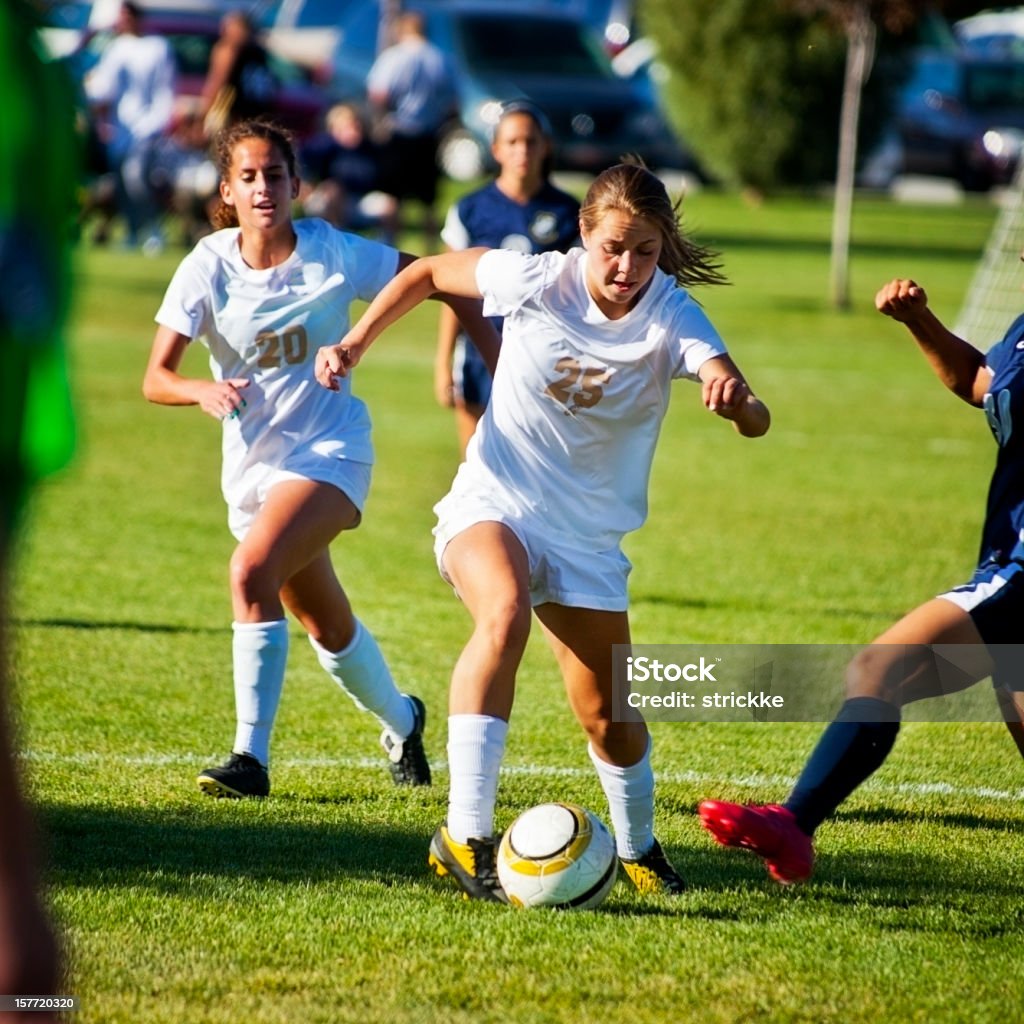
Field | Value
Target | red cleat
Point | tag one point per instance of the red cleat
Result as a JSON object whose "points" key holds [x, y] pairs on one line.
{"points": [[770, 831]]}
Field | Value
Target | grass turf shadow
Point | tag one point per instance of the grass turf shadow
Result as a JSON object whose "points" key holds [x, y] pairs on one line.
{"points": [[104, 847]]}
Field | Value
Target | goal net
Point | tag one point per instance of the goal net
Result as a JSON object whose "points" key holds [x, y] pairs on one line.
{"points": [[995, 299]]}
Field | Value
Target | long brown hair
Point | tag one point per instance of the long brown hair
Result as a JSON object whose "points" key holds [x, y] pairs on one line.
{"points": [[224, 216], [632, 189]]}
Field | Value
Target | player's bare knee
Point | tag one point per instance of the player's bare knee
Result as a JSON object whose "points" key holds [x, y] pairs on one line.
{"points": [[252, 579], [505, 626], [872, 673]]}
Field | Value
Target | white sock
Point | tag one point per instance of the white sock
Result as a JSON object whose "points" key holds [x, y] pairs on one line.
{"points": [[630, 793], [476, 745], [259, 653], [361, 671]]}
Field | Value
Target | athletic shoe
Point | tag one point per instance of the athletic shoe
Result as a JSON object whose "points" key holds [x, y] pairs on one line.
{"points": [[239, 776], [770, 831], [653, 873], [471, 865], [407, 759]]}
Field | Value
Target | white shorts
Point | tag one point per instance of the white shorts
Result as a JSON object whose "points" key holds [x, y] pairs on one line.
{"points": [[351, 478], [561, 572]]}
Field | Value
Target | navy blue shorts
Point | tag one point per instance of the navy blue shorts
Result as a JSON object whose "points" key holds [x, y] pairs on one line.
{"points": [[470, 374], [994, 599]]}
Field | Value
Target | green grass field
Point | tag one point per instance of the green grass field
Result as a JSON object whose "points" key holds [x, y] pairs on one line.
{"points": [[316, 905]]}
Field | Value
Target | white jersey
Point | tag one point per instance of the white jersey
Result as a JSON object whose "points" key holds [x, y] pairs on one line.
{"points": [[568, 439], [266, 326]]}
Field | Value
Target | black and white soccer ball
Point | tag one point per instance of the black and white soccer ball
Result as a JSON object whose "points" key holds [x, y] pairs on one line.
{"points": [[557, 855]]}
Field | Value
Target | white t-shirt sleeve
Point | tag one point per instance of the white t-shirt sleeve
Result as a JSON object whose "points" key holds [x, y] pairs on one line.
{"points": [[379, 78], [158, 113], [368, 264], [694, 337], [101, 82], [508, 279], [185, 304]]}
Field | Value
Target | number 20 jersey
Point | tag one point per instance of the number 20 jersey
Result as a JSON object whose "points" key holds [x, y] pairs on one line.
{"points": [[265, 326]]}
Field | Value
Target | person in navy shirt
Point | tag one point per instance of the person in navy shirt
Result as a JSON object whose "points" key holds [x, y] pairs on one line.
{"points": [[521, 210], [982, 617], [342, 171]]}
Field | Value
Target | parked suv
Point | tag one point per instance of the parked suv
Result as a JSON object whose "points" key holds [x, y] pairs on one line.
{"points": [[499, 54], [964, 119]]}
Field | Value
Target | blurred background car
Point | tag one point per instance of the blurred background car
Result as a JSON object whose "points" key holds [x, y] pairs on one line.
{"points": [[305, 32], [993, 33], [551, 57], [964, 119], [65, 23], [299, 103], [959, 115]]}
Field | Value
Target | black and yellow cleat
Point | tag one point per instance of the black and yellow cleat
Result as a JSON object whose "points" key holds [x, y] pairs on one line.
{"points": [[652, 873], [239, 776], [470, 864]]}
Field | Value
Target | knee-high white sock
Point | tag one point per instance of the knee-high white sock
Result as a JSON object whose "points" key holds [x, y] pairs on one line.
{"points": [[630, 793], [259, 654], [361, 671], [476, 745]]}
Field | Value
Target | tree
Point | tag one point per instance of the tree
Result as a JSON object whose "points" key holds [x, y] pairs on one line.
{"points": [[752, 87], [859, 21], [755, 87]]}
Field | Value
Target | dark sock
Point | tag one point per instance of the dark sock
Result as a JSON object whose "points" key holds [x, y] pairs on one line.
{"points": [[850, 749]]}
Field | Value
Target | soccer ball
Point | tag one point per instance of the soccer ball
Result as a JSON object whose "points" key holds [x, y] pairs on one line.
{"points": [[557, 855]]}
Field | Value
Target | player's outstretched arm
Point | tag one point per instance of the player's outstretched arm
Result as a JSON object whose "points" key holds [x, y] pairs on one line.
{"points": [[450, 275], [467, 312], [957, 363], [726, 393]]}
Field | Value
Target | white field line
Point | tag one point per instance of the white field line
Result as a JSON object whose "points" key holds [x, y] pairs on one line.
{"points": [[766, 783]]}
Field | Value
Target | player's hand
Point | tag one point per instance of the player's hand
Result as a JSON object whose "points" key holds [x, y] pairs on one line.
{"points": [[334, 362], [444, 388], [725, 396], [902, 300], [222, 399]]}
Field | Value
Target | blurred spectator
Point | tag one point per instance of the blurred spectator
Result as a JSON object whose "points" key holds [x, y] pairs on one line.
{"points": [[132, 92], [38, 172], [411, 89], [240, 83], [341, 172], [186, 178]]}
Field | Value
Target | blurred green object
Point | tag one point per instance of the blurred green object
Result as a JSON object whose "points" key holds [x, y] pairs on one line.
{"points": [[38, 177]]}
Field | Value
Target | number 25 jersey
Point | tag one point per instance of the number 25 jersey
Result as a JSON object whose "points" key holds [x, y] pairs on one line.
{"points": [[578, 400]]}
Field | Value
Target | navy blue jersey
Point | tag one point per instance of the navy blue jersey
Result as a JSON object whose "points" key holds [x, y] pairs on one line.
{"points": [[1001, 539], [356, 168], [549, 221]]}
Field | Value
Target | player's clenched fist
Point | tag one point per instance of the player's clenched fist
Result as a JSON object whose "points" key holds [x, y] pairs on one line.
{"points": [[903, 300]]}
